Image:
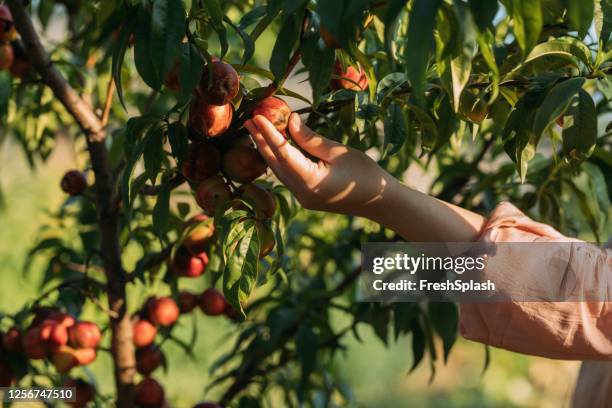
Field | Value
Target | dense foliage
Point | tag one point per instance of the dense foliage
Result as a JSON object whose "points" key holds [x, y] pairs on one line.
{"points": [[494, 101]]}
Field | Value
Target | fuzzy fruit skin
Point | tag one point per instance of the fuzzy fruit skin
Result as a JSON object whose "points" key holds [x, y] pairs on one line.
{"points": [[163, 311], [262, 199], [144, 333], [53, 334], [201, 230], [203, 161], [224, 85], [85, 392], [349, 78], [243, 164], [7, 56], [6, 374], [148, 359], [212, 302], [207, 405], [64, 359], [84, 335], [33, 345], [210, 120], [211, 193], [187, 264], [11, 340], [275, 110], [74, 182], [8, 32], [149, 394], [187, 301], [266, 239]]}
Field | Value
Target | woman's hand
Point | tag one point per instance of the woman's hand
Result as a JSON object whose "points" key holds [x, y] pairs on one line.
{"points": [[344, 180]]}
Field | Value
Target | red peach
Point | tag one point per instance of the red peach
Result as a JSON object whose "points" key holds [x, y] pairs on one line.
{"points": [[349, 78], [144, 333], [211, 193], [187, 301], [203, 161], [148, 359], [163, 311], [220, 83], [149, 393], [210, 120], [275, 110], [243, 164], [212, 302], [11, 340], [74, 182], [201, 230], [188, 264], [84, 335]]}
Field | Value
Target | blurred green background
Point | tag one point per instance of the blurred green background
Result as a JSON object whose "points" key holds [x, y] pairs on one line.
{"points": [[377, 376]]}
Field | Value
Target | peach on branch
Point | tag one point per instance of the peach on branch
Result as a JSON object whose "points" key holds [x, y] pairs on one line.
{"points": [[188, 264], [148, 359], [187, 301], [64, 359], [11, 340], [208, 119], [74, 182], [212, 302], [203, 161], [263, 201], [211, 193], [84, 335], [53, 334], [201, 230], [243, 164], [33, 345], [149, 394], [144, 333], [220, 83], [275, 110], [62, 318], [163, 311], [348, 78]]}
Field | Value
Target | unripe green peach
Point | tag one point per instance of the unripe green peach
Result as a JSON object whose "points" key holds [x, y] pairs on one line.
{"points": [[243, 164], [211, 193]]}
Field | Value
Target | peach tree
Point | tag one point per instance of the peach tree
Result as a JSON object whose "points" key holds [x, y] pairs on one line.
{"points": [[490, 100]]}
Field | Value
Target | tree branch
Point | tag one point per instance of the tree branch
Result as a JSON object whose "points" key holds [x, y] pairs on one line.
{"points": [[108, 217]]}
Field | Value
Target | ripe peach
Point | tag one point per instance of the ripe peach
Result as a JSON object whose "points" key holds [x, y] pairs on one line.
{"points": [[349, 78], [266, 239], [231, 313], [11, 340], [144, 333], [84, 335], [6, 374], [275, 110], [53, 334], [263, 200], [149, 393], [220, 83], [211, 193], [33, 345], [203, 161], [74, 182], [187, 301], [6, 56], [207, 405], [148, 359], [208, 119], [64, 359], [212, 302], [8, 32], [84, 392], [85, 356], [163, 311], [187, 264], [201, 230], [243, 164]]}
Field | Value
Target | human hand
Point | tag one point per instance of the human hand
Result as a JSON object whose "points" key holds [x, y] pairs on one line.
{"points": [[344, 180]]}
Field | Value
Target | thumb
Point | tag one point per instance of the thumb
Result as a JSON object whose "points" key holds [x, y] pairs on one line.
{"points": [[311, 141]]}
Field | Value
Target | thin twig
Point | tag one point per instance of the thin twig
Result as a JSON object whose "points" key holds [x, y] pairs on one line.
{"points": [[108, 103]]}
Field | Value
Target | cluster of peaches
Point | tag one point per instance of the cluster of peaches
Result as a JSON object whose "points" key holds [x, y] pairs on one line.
{"points": [[61, 339]]}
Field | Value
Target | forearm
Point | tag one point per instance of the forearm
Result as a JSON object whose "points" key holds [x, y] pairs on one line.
{"points": [[421, 218]]}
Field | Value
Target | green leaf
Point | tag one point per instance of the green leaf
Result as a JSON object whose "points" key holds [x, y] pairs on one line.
{"points": [[119, 50], [306, 344], [167, 32], [444, 319], [580, 128], [527, 19], [252, 16], [483, 12], [389, 84], [568, 48], [420, 44], [5, 95], [555, 103], [161, 211], [191, 69], [247, 41], [320, 61], [284, 45], [603, 22], [179, 141], [142, 50], [153, 152], [580, 15], [396, 129], [213, 7], [418, 344], [394, 8], [429, 131]]}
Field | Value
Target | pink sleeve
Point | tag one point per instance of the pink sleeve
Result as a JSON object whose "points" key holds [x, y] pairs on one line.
{"points": [[564, 330]]}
